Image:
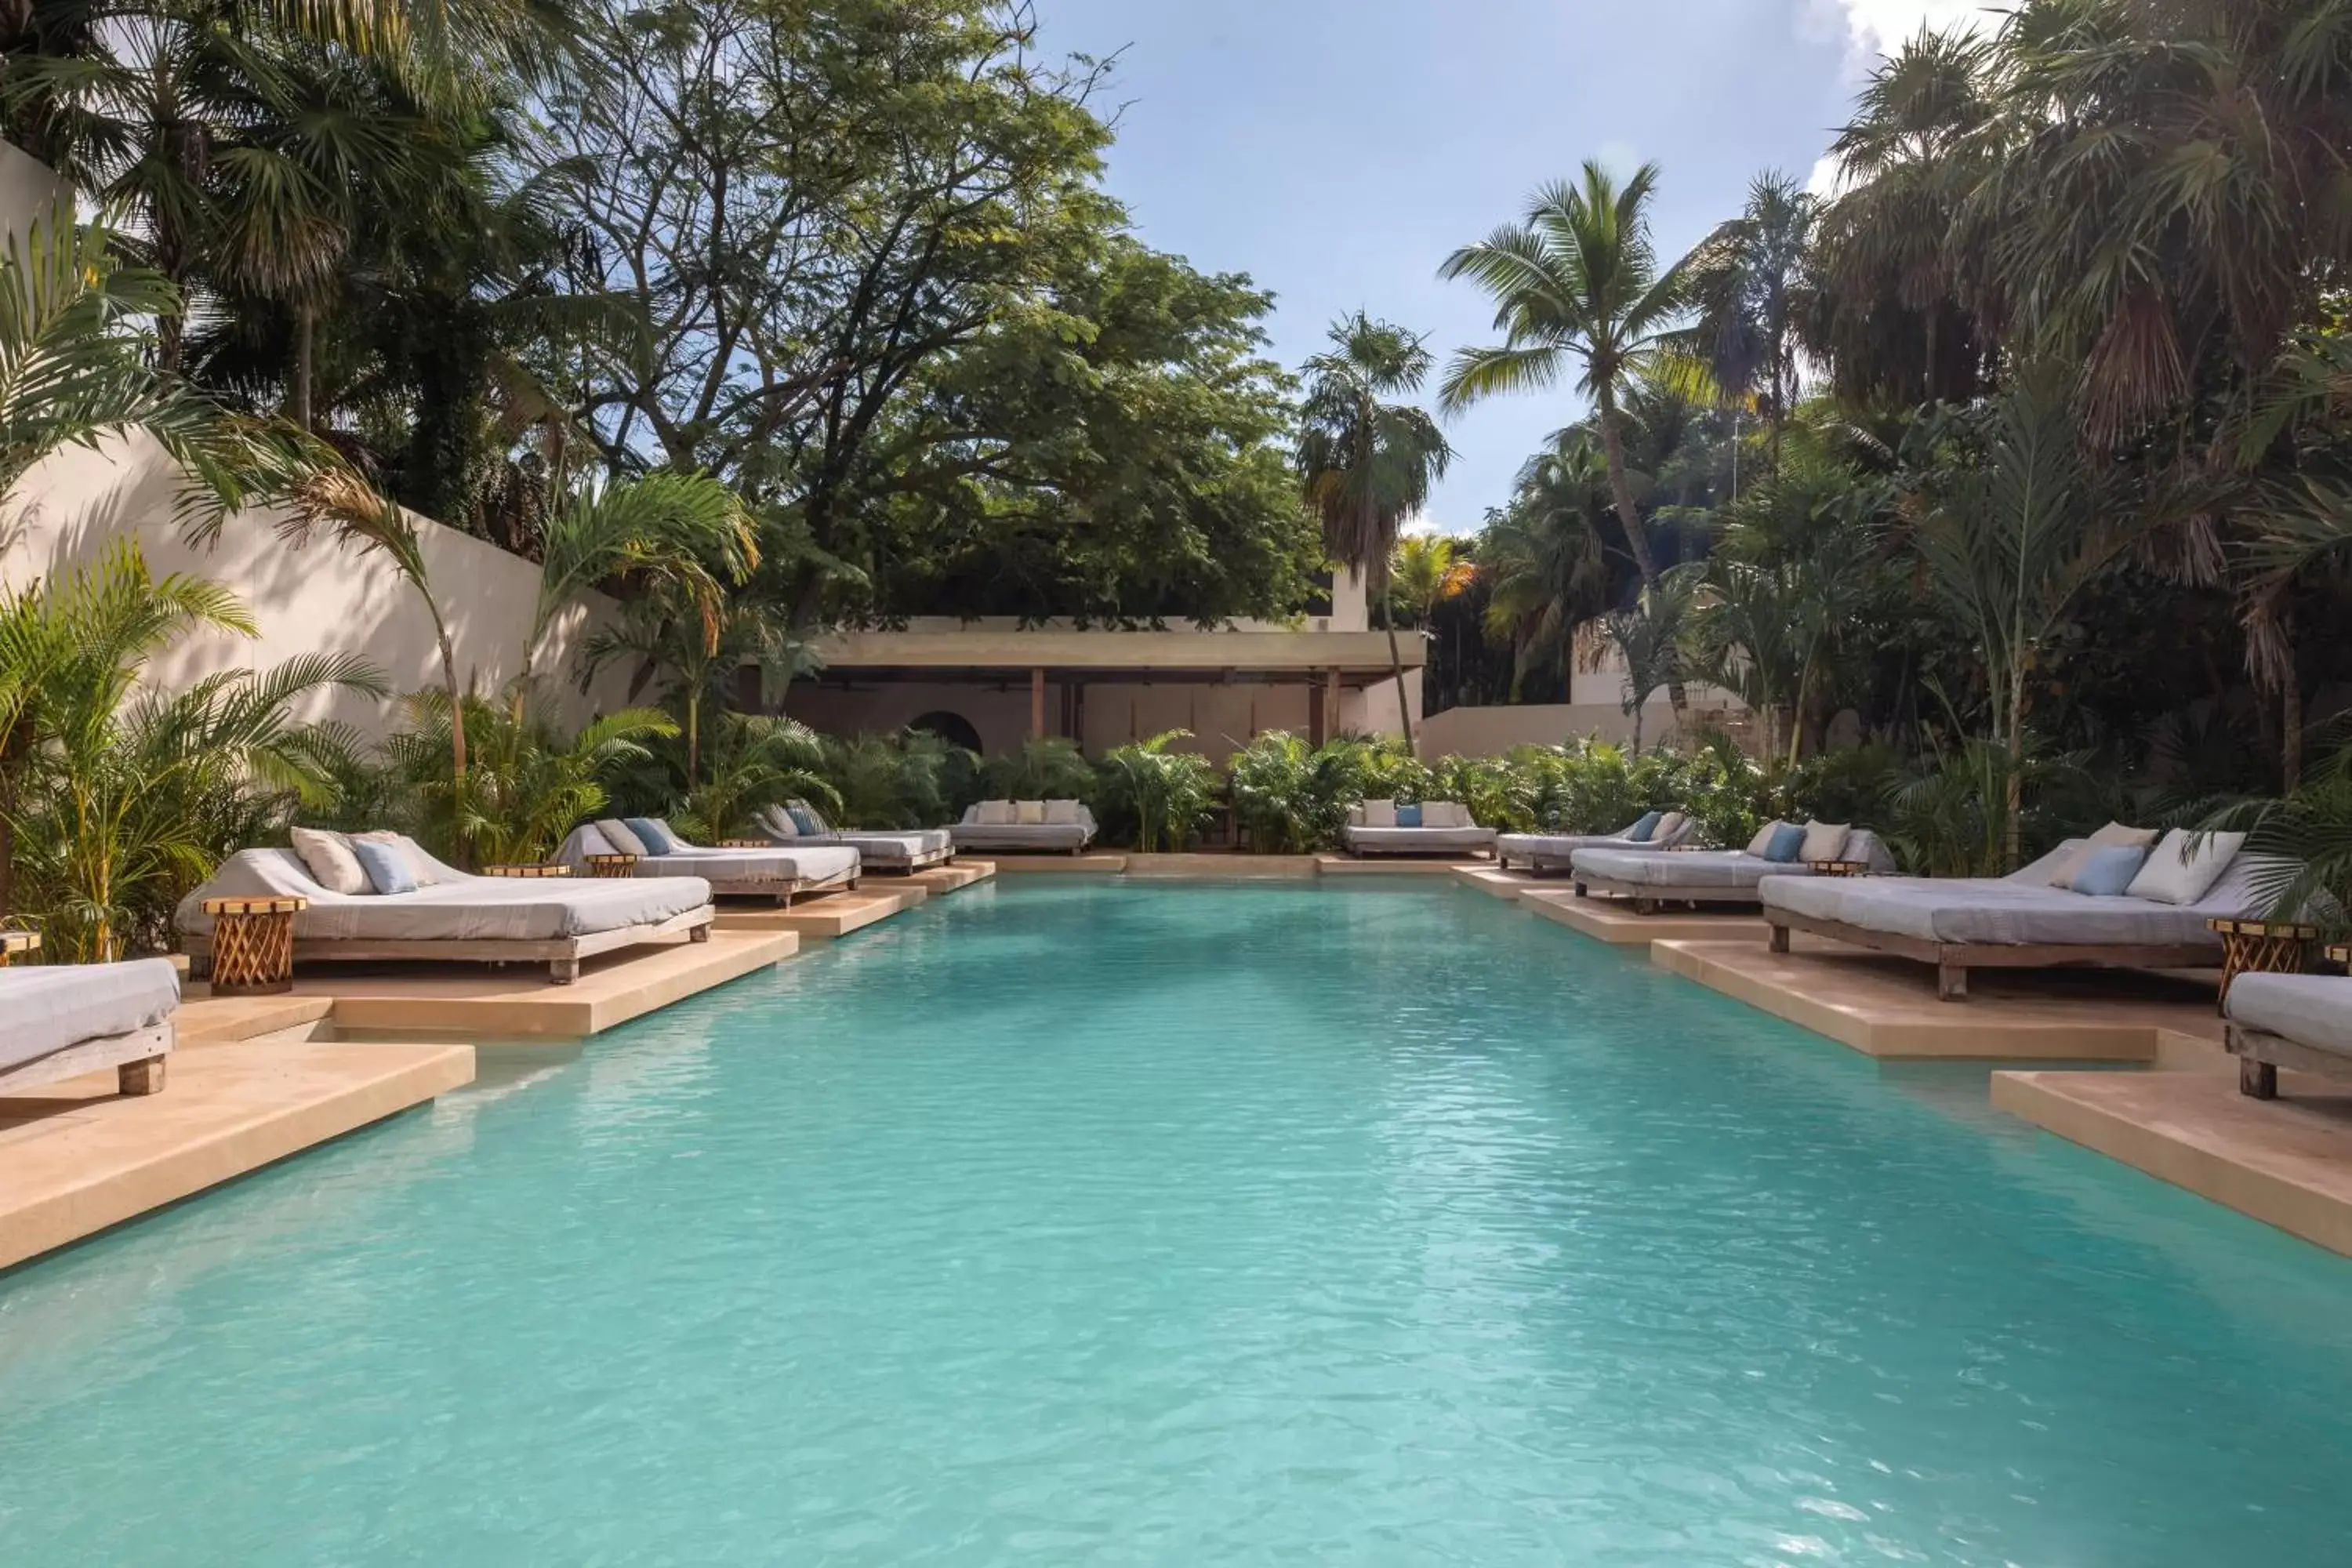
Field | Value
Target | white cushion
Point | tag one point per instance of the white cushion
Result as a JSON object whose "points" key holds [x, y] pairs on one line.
{"points": [[994, 813], [328, 858], [778, 823], [1380, 814], [617, 834], [1444, 814], [1062, 813], [1668, 826], [1029, 813], [1824, 840], [2114, 835], [2184, 868], [1763, 840]]}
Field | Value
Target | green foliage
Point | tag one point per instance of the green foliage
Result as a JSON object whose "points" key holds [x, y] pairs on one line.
{"points": [[908, 779], [745, 763], [1155, 794], [1292, 799], [1043, 768], [527, 785], [2303, 841], [116, 800]]}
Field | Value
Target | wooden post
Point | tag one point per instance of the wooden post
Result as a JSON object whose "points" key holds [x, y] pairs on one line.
{"points": [[1038, 704], [1331, 704]]}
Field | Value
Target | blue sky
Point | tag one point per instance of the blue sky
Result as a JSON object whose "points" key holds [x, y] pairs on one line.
{"points": [[1337, 150]]}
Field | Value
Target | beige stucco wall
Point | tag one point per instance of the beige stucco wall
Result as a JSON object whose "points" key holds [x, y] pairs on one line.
{"points": [[317, 599]]}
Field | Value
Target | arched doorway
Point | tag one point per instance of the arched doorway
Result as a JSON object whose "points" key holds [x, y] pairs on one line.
{"points": [[953, 728]]}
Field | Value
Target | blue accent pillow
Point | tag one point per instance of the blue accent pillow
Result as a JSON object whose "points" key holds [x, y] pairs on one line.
{"points": [[2104, 873], [652, 835], [1788, 842], [1408, 816], [1640, 832], [803, 820], [387, 868]]}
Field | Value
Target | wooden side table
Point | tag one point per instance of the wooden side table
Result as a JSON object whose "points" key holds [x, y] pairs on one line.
{"points": [[528, 872], [745, 844], [253, 945], [614, 864], [1838, 868], [16, 942], [2261, 947]]}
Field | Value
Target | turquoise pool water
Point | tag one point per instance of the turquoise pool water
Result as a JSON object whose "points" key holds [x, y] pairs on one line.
{"points": [[1077, 1222]]}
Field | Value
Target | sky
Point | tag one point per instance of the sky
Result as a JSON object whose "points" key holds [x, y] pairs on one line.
{"points": [[1336, 151]]}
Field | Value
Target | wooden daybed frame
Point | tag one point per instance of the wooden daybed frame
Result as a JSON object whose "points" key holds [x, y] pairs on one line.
{"points": [[1648, 898], [1953, 960], [136, 1058], [2261, 1054], [561, 955], [782, 892]]}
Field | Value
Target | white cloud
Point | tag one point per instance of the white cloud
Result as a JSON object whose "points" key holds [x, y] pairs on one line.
{"points": [[1872, 28]]}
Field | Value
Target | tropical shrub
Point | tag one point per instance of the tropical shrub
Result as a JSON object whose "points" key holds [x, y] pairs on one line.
{"points": [[740, 764], [1154, 795], [526, 785], [118, 800], [910, 779], [1043, 768]]}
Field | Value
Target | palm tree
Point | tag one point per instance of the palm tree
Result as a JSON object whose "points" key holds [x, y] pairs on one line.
{"points": [[1751, 281], [2011, 542], [338, 500], [74, 371], [1890, 308], [122, 797], [1423, 573], [1544, 556], [1577, 283], [1365, 464], [528, 784], [687, 533], [1650, 637]]}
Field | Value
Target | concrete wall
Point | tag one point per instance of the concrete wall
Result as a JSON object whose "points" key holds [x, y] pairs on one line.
{"points": [[317, 599]]}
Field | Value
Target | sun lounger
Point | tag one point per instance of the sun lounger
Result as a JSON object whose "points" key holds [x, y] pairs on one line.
{"points": [[61, 1020], [458, 918], [1541, 852], [2298, 1021], [896, 852], [1055, 827], [1700, 876], [1373, 829], [2016, 921], [781, 873]]}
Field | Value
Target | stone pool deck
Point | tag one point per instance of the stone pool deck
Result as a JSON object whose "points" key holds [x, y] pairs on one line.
{"points": [[1886, 1007], [2286, 1162], [254, 1080], [77, 1158]]}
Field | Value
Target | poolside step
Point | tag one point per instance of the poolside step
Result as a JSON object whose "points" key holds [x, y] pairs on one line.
{"points": [[823, 918], [2286, 1162], [479, 1003], [1886, 1006], [75, 1157], [1614, 922]]}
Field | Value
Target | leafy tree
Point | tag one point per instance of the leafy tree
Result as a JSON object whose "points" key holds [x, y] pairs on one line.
{"points": [[1365, 464], [1577, 284]]}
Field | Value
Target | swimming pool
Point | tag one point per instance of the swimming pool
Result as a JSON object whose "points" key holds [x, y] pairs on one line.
{"points": [[1077, 1221]]}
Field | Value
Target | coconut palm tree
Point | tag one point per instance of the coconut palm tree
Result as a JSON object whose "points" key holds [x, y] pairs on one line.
{"points": [[1426, 573], [1578, 287], [1366, 464], [1751, 279], [1649, 638]]}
